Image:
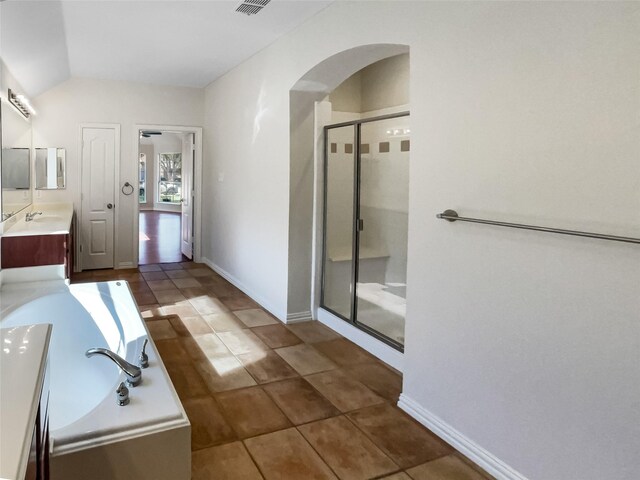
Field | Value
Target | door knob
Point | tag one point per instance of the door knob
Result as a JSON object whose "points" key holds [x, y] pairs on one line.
{"points": [[109, 206]]}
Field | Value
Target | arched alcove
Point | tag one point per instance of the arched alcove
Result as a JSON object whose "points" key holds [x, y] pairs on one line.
{"points": [[305, 178]]}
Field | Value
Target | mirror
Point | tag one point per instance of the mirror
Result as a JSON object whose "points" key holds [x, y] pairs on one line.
{"points": [[50, 168], [15, 161]]}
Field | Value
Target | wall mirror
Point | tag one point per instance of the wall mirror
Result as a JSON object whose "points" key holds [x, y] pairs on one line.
{"points": [[50, 168], [15, 161]]}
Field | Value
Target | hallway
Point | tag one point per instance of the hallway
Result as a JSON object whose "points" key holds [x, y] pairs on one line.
{"points": [[159, 240], [273, 401]]}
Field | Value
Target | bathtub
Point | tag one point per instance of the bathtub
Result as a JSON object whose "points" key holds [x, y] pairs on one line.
{"points": [[91, 435]]}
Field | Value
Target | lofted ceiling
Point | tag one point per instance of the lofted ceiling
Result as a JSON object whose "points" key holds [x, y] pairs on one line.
{"points": [[162, 42]]}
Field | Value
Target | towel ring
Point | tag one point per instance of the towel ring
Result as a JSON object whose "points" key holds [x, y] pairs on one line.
{"points": [[127, 185]]}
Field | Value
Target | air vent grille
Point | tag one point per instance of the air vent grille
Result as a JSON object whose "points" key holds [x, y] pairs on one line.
{"points": [[251, 7]]}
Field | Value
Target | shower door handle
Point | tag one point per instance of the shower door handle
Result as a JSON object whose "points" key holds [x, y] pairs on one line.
{"points": [[360, 224]]}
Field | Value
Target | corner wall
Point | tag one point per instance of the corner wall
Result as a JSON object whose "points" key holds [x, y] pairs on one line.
{"points": [[524, 344]]}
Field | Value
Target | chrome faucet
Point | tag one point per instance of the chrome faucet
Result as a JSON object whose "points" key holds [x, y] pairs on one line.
{"points": [[133, 373], [29, 216]]}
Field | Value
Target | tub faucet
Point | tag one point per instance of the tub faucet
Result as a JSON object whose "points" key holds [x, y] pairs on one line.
{"points": [[133, 373], [29, 216]]}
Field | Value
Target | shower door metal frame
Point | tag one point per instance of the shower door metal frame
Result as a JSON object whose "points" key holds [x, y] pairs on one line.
{"points": [[355, 260]]}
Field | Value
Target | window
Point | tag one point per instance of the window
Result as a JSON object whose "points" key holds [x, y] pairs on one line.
{"points": [[170, 178], [142, 178]]}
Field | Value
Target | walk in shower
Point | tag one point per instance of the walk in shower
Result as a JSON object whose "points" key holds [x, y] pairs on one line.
{"points": [[366, 204]]}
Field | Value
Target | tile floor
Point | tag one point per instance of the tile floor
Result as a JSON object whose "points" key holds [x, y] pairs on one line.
{"points": [[271, 401]]}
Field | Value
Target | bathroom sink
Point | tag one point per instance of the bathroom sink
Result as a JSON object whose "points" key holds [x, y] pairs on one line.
{"points": [[48, 219]]}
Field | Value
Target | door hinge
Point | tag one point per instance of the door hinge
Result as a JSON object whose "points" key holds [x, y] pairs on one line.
{"points": [[360, 224], [80, 248]]}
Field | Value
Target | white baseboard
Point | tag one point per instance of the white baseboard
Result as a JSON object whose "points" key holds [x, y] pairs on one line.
{"points": [[371, 344], [299, 317], [464, 445], [125, 265], [237, 283]]}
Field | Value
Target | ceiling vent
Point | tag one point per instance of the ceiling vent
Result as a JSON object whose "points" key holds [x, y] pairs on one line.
{"points": [[251, 7]]}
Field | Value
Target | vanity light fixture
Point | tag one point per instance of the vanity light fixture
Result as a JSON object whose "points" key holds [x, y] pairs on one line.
{"points": [[21, 103]]}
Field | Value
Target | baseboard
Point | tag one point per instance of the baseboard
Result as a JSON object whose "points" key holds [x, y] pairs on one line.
{"points": [[464, 445], [299, 317], [125, 265], [237, 283]]}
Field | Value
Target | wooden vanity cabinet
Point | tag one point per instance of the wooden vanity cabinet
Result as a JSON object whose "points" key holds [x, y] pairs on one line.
{"points": [[38, 250]]}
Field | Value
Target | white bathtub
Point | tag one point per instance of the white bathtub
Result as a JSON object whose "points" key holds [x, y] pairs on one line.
{"points": [[93, 437]]}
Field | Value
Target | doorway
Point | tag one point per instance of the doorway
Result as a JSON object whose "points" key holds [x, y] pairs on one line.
{"points": [[168, 206], [366, 204]]}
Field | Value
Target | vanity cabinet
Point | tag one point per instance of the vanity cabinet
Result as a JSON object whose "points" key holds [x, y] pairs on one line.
{"points": [[38, 250]]}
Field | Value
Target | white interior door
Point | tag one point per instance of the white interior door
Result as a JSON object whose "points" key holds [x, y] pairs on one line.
{"points": [[98, 197], [186, 230]]}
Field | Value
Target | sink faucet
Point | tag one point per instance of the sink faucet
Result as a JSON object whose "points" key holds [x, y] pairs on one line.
{"points": [[29, 216], [133, 373]]}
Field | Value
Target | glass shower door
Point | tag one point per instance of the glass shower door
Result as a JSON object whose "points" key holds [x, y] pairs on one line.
{"points": [[383, 224], [338, 268]]}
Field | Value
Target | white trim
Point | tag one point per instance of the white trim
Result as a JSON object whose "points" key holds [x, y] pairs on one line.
{"points": [[299, 317], [197, 186], [40, 273], [116, 186], [237, 283], [464, 445], [371, 344]]}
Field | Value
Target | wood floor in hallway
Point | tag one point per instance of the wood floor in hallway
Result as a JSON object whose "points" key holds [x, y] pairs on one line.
{"points": [[159, 238]]}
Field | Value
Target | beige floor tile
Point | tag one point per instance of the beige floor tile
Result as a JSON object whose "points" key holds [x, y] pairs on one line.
{"points": [[396, 476], [140, 286], [343, 352], [182, 309], [149, 276], [171, 351], [251, 412], [187, 381], [145, 298], [350, 454], [343, 391], [223, 373], [378, 378], [206, 346], [445, 468], [238, 301], [206, 305], [399, 436], [266, 366], [208, 425], [148, 312], [286, 455], [169, 296], [224, 322], [177, 274], [157, 285], [305, 359], [171, 266], [161, 329], [276, 336], [299, 401], [201, 272], [224, 462], [242, 341], [190, 326], [312, 332], [186, 282], [194, 292], [255, 317]]}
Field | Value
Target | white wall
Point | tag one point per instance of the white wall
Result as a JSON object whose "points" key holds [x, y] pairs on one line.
{"points": [[525, 343], [62, 109]]}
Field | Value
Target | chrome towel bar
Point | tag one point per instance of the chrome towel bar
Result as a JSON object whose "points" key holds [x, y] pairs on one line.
{"points": [[452, 216]]}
